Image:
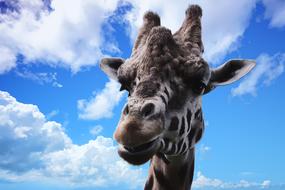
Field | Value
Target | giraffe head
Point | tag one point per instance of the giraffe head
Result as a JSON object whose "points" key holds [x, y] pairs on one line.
{"points": [[166, 76]]}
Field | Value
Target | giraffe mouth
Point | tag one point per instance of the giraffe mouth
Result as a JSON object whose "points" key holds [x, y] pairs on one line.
{"points": [[142, 147], [139, 154]]}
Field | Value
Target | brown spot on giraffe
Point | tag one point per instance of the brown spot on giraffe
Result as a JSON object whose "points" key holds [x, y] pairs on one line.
{"points": [[166, 77]]}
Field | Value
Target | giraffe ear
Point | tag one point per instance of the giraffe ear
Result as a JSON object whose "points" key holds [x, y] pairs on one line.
{"points": [[110, 66], [229, 72]]}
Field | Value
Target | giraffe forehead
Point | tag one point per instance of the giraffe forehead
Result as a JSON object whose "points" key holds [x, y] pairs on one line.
{"points": [[147, 88], [149, 70]]}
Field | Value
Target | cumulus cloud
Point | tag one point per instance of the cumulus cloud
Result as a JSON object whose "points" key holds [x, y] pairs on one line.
{"points": [[267, 69], [34, 149], [101, 105], [68, 33], [224, 22], [204, 182], [275, 12], [26, 135], [93, 164]]}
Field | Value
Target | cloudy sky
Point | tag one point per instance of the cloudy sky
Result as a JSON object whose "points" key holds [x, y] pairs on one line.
{"points": [[58, 110]]}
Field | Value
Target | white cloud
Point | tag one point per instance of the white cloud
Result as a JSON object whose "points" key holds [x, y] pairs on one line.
{"points": [[102, 104], [96, 130], [224, 22], [26, 135], [70, 35], [93, 164], [268, 68], [34, 149], [40, 78], [204, 182], [7, 59], [265, 184], [275, 11]]}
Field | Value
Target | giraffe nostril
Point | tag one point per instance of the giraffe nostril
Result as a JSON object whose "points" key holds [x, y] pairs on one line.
{"points": [[147, 110]]}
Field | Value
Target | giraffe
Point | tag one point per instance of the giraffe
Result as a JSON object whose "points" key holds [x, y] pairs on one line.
{"points": [[166, 78]]}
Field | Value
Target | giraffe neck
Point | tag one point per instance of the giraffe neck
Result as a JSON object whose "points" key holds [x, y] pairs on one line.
{"points": [[175, 175]]}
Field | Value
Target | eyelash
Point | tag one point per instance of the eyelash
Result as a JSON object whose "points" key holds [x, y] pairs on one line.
{"points": [[126, 87]]}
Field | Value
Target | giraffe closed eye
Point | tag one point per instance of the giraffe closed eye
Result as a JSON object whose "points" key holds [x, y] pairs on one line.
{"points": [[198, 86]]}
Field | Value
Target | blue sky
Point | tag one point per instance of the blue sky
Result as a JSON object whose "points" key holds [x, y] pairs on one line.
{"points": [[58, 110]]}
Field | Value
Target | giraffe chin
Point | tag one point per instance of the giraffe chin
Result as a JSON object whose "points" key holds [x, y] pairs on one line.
{"points": [[139, 157]]}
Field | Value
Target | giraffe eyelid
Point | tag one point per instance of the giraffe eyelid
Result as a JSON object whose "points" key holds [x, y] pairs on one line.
{"points": [[198, 86]]}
